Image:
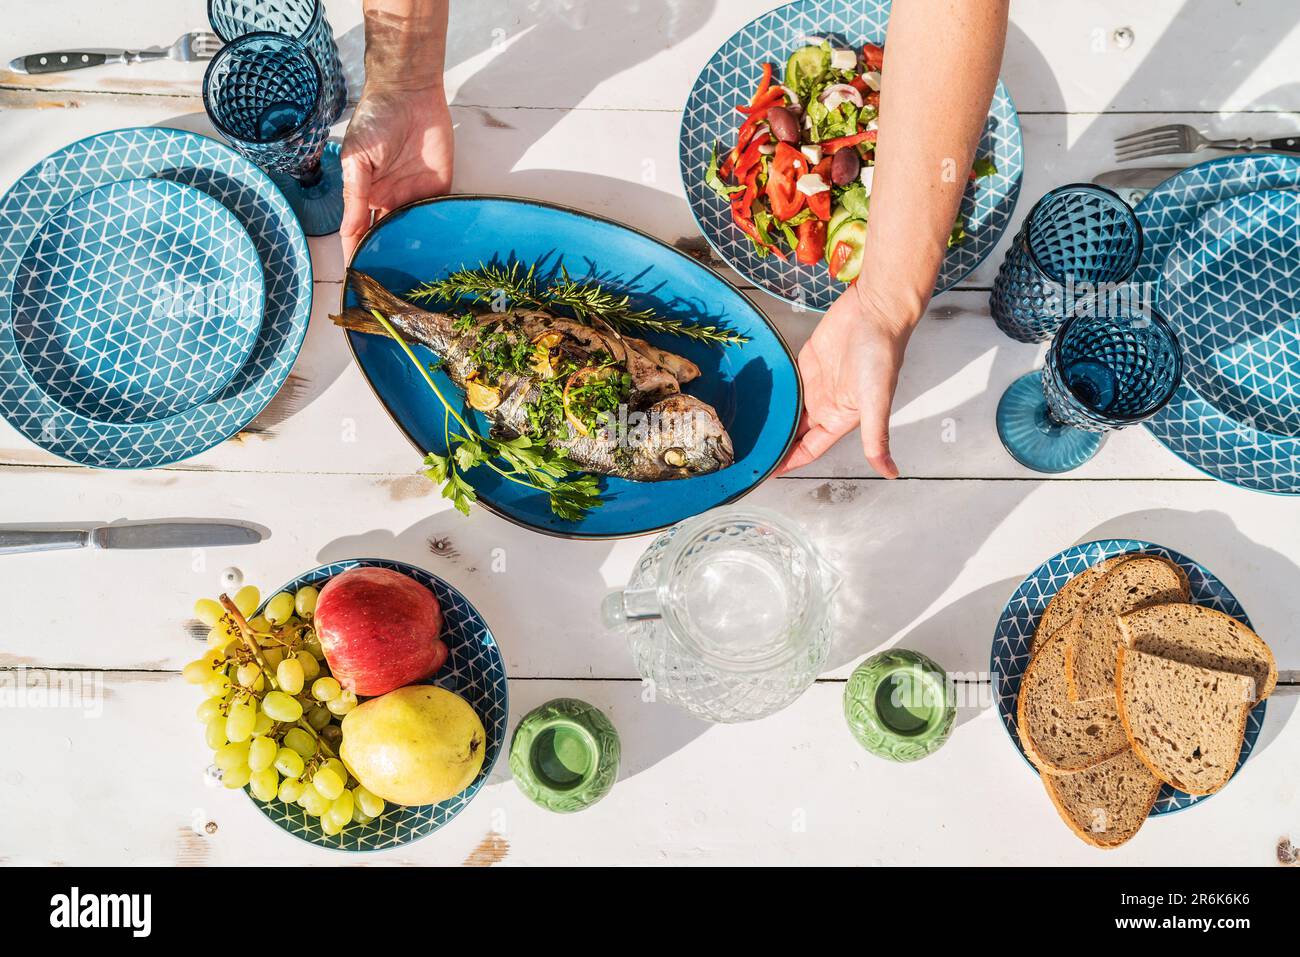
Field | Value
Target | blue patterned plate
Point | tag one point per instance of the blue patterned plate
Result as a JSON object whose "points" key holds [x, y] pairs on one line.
{"points": [[1228, 419], [474, 670], [137, 300], [710, 118], [754, 387], [1020, 617], [190, 160]]}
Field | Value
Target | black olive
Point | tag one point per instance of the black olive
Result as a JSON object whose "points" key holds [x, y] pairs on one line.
{"points": [[845, 166], [784, 126]]}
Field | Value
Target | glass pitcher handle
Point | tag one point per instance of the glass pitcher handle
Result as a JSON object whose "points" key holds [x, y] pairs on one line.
{"points": [[639, 604]]}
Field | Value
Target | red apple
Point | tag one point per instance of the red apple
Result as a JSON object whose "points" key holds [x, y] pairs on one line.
{"points": [[379, 630]]}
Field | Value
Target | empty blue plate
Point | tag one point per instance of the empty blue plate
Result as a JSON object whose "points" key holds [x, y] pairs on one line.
{"points": [[137, 300], [729, 78], [1015, 632], [754, 387], [191, 160], [1231, 287], [1228, 419]]}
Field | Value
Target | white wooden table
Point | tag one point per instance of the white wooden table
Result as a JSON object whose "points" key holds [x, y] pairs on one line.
{"points": [[930, 559]]}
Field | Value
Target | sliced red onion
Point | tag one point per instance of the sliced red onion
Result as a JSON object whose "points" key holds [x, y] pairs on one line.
{"points": [[838, 93]]}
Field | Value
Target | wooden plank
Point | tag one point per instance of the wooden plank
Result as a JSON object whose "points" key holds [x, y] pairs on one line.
{"points": [[929, 564], [126, 786], [1184, 55]]}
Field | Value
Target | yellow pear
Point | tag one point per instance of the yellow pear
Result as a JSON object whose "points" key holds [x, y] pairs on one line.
{"points": [[415, 745]]}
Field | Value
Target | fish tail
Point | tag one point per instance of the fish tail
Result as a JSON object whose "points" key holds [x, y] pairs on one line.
{"points": [[374, 296], [357, 319]]}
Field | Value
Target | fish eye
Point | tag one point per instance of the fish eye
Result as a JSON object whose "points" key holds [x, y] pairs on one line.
{"points": [[675, 458]]}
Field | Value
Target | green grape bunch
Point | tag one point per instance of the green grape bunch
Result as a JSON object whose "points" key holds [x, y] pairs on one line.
{"points": [[272, 709]]}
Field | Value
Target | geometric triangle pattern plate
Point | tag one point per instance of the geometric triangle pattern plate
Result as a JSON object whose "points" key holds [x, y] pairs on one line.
{"points": [[1206, 424], [1231, 287], [261, 209], [1020, 617], [137, 300], [474, 670], [710, 118]]}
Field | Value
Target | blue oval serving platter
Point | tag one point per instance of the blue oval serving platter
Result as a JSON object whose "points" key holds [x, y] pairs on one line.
{"points": [[137, 300], [1222, 255], [710, 118], [474, 670], [754, 386], [1015, 631]]}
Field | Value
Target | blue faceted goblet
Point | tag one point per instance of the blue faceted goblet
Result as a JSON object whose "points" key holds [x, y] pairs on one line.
{"points": [[1076, 234], [304, 20], [265, 94], [1103, 372]]}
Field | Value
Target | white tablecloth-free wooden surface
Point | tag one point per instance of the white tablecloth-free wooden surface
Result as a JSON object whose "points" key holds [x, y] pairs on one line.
{"points": [[578, 102]]}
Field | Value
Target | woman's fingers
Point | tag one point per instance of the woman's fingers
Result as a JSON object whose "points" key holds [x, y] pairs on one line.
{"points": [[814, 443], [876, 399], [356, 202]]}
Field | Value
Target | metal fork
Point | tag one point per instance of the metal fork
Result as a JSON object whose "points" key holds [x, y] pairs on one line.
{"points": [[1181, 138], [196, 45]]}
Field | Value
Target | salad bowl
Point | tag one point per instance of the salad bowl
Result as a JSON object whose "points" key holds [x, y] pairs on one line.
{"points": [[710, 121], [753, 385]]}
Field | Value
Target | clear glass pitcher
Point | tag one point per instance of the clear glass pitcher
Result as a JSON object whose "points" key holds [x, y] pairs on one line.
{"points": [[728, 614]]}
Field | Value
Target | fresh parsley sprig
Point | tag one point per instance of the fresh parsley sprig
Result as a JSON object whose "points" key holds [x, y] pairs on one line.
{"points": [[519, 460], [587, 300]]}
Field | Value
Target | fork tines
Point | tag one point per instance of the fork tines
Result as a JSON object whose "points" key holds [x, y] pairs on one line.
{"points": [[1152, 142]]}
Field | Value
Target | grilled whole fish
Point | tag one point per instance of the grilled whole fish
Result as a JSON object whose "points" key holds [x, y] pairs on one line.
{"points": [[658, 433]]}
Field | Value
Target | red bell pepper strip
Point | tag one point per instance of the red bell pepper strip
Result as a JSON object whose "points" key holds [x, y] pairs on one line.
{"points": [[866, 136], [764, 85], [873, 55], [860, 85], [839, 258], [749, 159], [812, 242], [762, 104]]}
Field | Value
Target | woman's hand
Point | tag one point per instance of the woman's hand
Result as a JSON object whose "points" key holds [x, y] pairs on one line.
{"points": [[398, 148], [850, 370]]}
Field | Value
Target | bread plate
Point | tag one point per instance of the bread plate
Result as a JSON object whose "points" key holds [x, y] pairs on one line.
{"points": [[1019, 620]]}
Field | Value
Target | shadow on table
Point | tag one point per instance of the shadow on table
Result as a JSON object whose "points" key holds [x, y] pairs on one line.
{"points": [[518, 580], [1205, 536]]}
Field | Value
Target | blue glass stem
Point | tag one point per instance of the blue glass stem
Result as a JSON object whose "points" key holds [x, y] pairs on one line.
{"points": [[1034, 436]]}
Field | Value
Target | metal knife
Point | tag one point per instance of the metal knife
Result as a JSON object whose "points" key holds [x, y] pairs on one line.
{"points": [[142, 535], [1133, 184]]}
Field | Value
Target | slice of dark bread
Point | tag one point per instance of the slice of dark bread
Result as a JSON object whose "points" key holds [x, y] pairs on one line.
{"points": [[1070, 598], [1201, 636], [1186, 723], [1093, 634], [1060, 735], [1105, 805]]}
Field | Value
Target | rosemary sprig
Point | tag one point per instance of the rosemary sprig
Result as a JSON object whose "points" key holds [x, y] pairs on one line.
{"points": [[587, 300], [524, 462]]}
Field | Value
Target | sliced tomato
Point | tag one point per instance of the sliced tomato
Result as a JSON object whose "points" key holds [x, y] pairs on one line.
{"points": [[873, 55], [839, 257], [820, 204], [860, 85], [788, 164], [812, 242]]}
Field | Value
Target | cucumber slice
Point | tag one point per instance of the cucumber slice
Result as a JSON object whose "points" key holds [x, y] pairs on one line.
{"points": [[839, 215], [805, 65], [853, 232]]}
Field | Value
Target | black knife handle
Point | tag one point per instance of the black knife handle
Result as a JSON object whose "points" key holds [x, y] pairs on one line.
{"points": [[62, 60], [1286, 144]]}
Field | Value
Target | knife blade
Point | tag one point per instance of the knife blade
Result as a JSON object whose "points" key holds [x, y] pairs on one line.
{"points": [[1133, 184], [135, 536]]}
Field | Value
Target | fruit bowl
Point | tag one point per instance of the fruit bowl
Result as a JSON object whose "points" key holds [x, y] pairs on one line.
{"points": [[474, 670]]}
